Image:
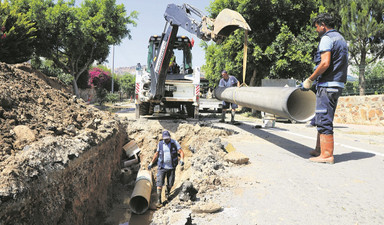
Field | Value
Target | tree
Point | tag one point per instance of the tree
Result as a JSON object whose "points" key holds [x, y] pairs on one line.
{"points": [[74, 37], [47, 67], [127, 84], [291, 54], [363, 28], [374, 77], [280, 45], [17, 35]]}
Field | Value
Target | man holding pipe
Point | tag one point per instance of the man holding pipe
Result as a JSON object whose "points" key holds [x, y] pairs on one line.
{"points": [[228, 81], [167, 158], [331, 73]]}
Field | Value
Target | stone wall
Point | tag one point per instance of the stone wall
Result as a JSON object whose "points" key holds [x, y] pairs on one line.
{"points": [[65, 181], [88, 95], [366, 110]]}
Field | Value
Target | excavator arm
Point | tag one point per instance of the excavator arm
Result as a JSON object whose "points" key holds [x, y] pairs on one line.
{"points": [[206, 29]]}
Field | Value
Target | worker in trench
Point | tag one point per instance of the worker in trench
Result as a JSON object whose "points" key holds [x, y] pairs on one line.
{"points": [[167, 156], [228, 81]]}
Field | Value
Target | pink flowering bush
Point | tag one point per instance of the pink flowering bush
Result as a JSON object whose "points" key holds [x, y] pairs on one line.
{"points": [[98, 78]]}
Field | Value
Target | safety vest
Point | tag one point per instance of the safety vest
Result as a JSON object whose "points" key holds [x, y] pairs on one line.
{"points": [[174, 155], [338, 68]]}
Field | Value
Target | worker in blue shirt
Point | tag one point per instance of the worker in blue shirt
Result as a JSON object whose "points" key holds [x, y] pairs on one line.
{"points": [[331, 75], [167, 158], [228, 81]]}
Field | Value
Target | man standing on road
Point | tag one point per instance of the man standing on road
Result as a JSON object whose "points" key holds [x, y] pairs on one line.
{"points": [[167, 155], [228, 81], [331, 74]]}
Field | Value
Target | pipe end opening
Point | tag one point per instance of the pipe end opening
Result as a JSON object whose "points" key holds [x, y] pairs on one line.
{"points": [[139, 204]]}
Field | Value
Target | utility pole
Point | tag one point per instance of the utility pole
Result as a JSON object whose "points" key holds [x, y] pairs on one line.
{"points": [[113, 65]]}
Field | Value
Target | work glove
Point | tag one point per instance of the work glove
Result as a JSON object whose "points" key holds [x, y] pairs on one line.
{"points": [[150, 166], [301, 86], [307, 84]]}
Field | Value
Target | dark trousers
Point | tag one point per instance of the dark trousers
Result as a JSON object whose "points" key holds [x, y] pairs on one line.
{"points": [[162, 173], [326, 103]]}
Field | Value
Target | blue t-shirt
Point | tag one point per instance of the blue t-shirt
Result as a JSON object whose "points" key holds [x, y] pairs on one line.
{"points": [[167, 153], [326, 44], [333, 42], [231, 82]]}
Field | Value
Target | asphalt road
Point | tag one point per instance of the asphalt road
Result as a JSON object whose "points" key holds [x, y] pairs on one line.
{"points": [[281, 186]]}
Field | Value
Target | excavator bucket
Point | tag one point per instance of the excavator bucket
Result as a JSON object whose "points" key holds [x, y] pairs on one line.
{"points": [[226, 22]]}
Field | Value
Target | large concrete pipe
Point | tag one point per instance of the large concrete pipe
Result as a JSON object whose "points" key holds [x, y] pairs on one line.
{"points": [[141, 194], [287, 102]]}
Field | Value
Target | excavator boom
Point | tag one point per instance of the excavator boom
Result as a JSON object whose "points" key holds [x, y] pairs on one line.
{"points": [[206, 29]]}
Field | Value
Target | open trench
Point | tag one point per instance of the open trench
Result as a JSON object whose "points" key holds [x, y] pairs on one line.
{"points": [[82, 180], [61, 159], [204, 160]]}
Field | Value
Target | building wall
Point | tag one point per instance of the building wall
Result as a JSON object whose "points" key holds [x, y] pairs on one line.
{"points": [[366, 110]]}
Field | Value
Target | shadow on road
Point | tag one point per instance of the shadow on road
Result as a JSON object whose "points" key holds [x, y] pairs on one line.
{"points": [[352, 156], [297, 148], [289, 145]]}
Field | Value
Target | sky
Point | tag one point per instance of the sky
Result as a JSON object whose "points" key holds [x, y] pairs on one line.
{"points": [[151, 22]]}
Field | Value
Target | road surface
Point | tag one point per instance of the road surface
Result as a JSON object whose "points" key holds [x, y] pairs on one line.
{"points": [[281, 186]]}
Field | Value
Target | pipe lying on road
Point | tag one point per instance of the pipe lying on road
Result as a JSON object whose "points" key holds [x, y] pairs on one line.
{"points": [[287, 102], [141, 194]]}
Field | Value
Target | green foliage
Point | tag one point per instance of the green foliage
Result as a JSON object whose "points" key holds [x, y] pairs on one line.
{"points": [[280, 45], [362, 24], [363, 28], [127, 84], [374, 79], [101, 95], [48, 68], [111, 97], [351, 88], [17, 34], [73, 37], [291, 54], [375, 70]]}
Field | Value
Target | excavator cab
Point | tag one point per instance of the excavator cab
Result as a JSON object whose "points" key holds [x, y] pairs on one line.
{"points": [[181, 60]]}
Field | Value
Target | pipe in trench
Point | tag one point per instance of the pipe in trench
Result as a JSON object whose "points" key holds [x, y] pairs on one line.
{"points": [[141, 194], [287, 102]]}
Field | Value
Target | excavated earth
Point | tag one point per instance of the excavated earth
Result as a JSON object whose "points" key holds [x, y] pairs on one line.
{"points": [[58, 155], [61, 159], [198, 182]]}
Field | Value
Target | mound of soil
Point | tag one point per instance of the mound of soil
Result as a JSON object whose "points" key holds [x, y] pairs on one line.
{"points": [[33, 106], [39, 112]]}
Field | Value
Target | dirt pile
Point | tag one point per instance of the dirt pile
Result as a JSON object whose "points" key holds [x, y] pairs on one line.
{"points": [[53, 141], [33, 106]]}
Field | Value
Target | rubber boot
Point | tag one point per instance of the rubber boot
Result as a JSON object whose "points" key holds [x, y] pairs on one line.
{"points": [[316, 151], [167, 193], [326, 146], [233, 116], [159, 203], [222, 117]]}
